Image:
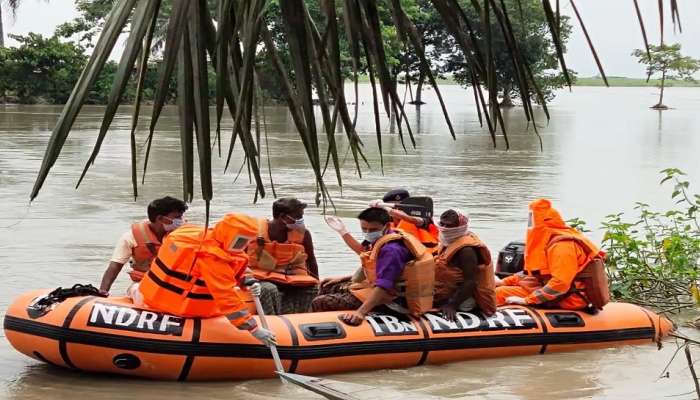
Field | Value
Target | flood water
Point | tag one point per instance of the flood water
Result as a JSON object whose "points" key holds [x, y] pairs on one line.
{"points": [[603, 150]]}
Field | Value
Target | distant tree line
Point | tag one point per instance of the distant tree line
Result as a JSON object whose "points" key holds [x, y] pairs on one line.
{"points": [[44, 70]]}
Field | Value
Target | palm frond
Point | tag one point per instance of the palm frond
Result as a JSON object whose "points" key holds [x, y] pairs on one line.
{"points": [[195, 45]]}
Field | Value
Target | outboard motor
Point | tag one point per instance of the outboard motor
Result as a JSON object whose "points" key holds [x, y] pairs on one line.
{"points": [[511, 259]]}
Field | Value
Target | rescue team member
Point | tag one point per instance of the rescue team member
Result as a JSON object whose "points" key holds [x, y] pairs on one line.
{"points": [[196, 272], [283, 259], [464, 277], [140, 244], [422, 228], [554, 254], [397, 268]]}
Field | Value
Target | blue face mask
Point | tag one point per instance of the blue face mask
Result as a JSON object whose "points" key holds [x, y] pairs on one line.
{"points": [[297, 225], [174, 224], [373, 236]]}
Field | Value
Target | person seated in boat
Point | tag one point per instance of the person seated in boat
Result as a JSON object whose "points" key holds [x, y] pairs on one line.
{"points": [[555, 254], [464, 276], [197, 270], [422, 228], [282, 259], [140, 244], [394, 264]]}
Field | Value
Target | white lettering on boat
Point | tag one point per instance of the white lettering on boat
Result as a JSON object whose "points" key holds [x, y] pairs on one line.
{"points": [[389, 325], [504, 319], [509, 318], [112, 316]]}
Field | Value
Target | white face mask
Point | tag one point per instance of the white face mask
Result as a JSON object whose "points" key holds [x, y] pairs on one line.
{"points": [[174, 224], [297, 225], [372, 237], [449, 235]]}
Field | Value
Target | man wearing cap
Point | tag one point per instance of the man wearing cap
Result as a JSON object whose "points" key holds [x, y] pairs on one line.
{"points": [[421, 228], [282, 258]]}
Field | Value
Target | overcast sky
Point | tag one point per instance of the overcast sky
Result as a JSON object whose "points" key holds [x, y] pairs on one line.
{"points": [[612, 24]]}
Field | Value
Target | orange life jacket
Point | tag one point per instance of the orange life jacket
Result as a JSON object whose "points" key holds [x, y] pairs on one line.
{"points": [[283, 263], [428, 236], [147, 245], [591, 278], [417, 280], [448, 277], [556, 235], [174, 283]]}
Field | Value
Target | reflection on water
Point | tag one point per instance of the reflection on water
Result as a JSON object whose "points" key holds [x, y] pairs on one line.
{"points": [[602, 151]]}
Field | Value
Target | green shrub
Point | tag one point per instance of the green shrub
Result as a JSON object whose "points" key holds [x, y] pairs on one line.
{"points": [[653, 258]]}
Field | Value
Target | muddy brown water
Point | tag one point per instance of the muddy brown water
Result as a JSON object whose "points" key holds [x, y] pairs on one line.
{"points": [[603, 149]]}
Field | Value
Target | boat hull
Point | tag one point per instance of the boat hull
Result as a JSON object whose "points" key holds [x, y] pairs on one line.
{"points": [[109, 335]]}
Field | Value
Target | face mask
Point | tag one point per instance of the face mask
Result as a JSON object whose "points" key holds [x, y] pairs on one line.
{"points": [[176, 223], [297, 225], [373, 236], [449, 235]]}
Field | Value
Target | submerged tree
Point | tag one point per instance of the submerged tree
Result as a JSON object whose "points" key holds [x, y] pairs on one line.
{"points": [[537, 48], [668, 61]]}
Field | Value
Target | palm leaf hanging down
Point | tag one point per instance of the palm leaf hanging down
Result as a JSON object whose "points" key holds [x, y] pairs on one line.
{"points": [[194, 42]]}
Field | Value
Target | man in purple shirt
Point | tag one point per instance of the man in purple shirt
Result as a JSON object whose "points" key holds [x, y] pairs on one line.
{"points": [[390, 263]]}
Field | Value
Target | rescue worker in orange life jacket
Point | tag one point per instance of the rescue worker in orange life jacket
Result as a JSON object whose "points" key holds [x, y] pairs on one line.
{"points": [[554, 254], [422, 228], [282, 259], [196, 273], [141, 242], [464, 277], [387, 256]]}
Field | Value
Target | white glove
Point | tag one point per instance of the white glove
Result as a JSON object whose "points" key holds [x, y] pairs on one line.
{"points": [[516, 300], [376, 203], [265, 336], [336, 224], [255, 289]]}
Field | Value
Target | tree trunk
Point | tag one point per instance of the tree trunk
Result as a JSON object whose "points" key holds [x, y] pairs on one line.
{"points": [[507, 101], [419, 90], [661, 105], [392, 117], [2, 44], [2, 32]]}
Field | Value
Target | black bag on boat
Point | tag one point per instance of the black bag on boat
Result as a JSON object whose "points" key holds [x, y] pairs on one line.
{"points": [[511, 259]]}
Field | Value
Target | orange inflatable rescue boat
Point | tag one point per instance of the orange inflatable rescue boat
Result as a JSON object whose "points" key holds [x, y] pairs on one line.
{"points": [[109, 335]]}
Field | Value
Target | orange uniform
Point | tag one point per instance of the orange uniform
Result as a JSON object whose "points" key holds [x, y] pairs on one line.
{"points": [[554, 255], [147, 245], [196, 271], [283, 263]]}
